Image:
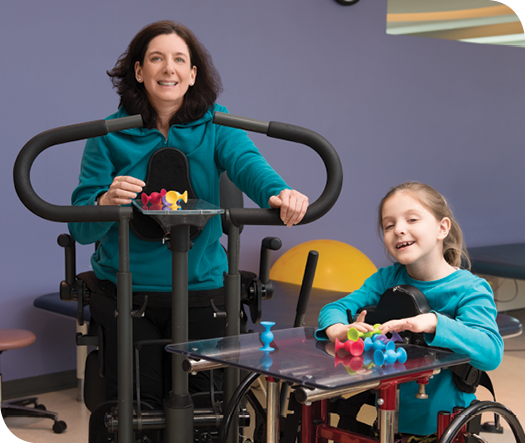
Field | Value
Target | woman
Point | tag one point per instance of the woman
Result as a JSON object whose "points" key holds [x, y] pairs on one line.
{"points": [[168, 77]]}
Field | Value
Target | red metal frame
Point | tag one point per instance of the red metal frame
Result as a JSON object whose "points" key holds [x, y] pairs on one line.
{"points": [[315, 427]]}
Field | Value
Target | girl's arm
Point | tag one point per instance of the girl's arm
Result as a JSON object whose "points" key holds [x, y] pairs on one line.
{"points": [[473, 331], [335, 316], [340, 330]]}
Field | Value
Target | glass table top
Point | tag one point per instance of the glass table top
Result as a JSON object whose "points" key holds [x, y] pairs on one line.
{"points": [[299, 358], [193, 206]]}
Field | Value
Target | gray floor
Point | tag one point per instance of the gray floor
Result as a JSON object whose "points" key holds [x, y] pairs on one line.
{"points": [[508, 382]]}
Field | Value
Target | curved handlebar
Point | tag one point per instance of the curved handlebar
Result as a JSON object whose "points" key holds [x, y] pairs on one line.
{"points": [[283, 131], [249, 216], [66, 134]]}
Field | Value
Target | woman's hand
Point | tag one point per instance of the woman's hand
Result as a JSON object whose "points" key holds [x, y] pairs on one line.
{"points": [[122, 191], [340, 331], [420, 323], [293, 205]]}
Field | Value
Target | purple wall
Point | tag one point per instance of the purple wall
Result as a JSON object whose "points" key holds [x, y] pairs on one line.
{"points": [[396, 108]]}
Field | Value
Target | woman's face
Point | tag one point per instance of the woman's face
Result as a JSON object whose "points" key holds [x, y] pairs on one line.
{"points": [[166, 72]]}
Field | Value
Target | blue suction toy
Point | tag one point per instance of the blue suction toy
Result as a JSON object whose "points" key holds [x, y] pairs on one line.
{"points": [[267, 336], [390, 356]]}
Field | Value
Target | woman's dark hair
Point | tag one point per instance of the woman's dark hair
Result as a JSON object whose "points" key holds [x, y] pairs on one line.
{"points": [[133, 96]]}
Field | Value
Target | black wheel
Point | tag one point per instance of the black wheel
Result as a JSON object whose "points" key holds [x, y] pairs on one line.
{"points": [[476, 410], [59, 427], [41, 407], [347, 2]]}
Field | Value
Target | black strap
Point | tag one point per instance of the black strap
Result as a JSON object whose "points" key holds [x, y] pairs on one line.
{"points": [[196, 299], [468, 378]]}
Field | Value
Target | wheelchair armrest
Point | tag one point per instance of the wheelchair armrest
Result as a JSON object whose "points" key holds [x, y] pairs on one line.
{"points": [[72, 288], [67, 285], [268, 244], [254, 290]]}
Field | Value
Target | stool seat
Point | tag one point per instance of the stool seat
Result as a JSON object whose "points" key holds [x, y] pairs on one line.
{"points": [[15, 338]]}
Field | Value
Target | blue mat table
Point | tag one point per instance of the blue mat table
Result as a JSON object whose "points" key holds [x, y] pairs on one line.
{"points": [[507, 261]]}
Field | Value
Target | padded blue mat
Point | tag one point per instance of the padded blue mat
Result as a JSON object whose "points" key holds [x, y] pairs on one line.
{"points": [[506, 261], [52, 302]]}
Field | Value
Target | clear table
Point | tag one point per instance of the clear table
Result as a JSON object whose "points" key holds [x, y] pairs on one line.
{"points": [[316, 371]]}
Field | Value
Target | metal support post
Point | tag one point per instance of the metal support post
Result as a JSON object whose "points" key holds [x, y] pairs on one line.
{"points": [[179, 407], [125, 336], [232, 281]]}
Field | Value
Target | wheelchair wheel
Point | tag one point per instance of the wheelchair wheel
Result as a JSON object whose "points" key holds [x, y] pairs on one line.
{"points": [[454, 428], [243, 391]]}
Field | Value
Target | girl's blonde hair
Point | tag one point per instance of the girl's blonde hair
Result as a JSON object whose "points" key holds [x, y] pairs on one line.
{"points": [[454, 250]]}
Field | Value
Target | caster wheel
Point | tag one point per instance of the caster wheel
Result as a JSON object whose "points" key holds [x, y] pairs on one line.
{"points": [[347, 2], [59, 427], [41, 407]]}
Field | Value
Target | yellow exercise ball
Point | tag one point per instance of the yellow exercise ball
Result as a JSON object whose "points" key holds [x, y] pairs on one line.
{"points": [[340, 267]]}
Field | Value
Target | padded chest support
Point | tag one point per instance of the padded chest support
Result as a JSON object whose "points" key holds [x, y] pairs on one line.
{"points": [[405, 301], [167, 169]]}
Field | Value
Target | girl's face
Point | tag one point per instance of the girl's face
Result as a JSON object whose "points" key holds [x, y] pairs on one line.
{"points": [[413, 236], [166, 72]]}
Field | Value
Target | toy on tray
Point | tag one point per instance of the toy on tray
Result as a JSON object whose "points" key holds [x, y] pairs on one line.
{"points": [[155, 198], [353, 334], [352, 347], [374, 341], [381, 342], [390, 356], [167, 200], [172, 199], [267, 336]]}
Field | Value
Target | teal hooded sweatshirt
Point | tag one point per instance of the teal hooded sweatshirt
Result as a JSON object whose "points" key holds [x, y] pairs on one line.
{"points": [[211, 149]]}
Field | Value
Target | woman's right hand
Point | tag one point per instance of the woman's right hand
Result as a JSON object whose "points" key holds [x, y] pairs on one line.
{"points": [[340, 331], [122, 191]]}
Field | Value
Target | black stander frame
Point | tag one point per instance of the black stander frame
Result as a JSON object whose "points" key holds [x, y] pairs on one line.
{"points": [[178, 408]]}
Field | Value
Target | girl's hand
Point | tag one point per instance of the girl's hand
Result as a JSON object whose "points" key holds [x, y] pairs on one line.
{"points": [[420, 323], [123, 189], [340, 331], [293, 206]]}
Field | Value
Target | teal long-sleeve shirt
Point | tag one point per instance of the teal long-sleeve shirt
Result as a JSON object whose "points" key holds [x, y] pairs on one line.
{"points": [[466, 313], [211, 149]]}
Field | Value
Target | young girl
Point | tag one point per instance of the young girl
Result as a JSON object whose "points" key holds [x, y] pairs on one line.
{"points": [[426, 243]]}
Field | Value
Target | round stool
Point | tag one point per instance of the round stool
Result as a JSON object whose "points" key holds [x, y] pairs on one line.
{"points": [[14, 339]]}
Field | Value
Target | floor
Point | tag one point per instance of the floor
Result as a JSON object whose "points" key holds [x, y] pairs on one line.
{"points": [[507, 380]]}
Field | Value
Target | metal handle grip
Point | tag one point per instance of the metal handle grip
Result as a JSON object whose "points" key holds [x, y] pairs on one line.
{"points": [[297, 134], [66, 134]]}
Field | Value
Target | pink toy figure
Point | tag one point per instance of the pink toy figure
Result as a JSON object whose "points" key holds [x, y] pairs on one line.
{"points": [[154, 198], [353, 347]]}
